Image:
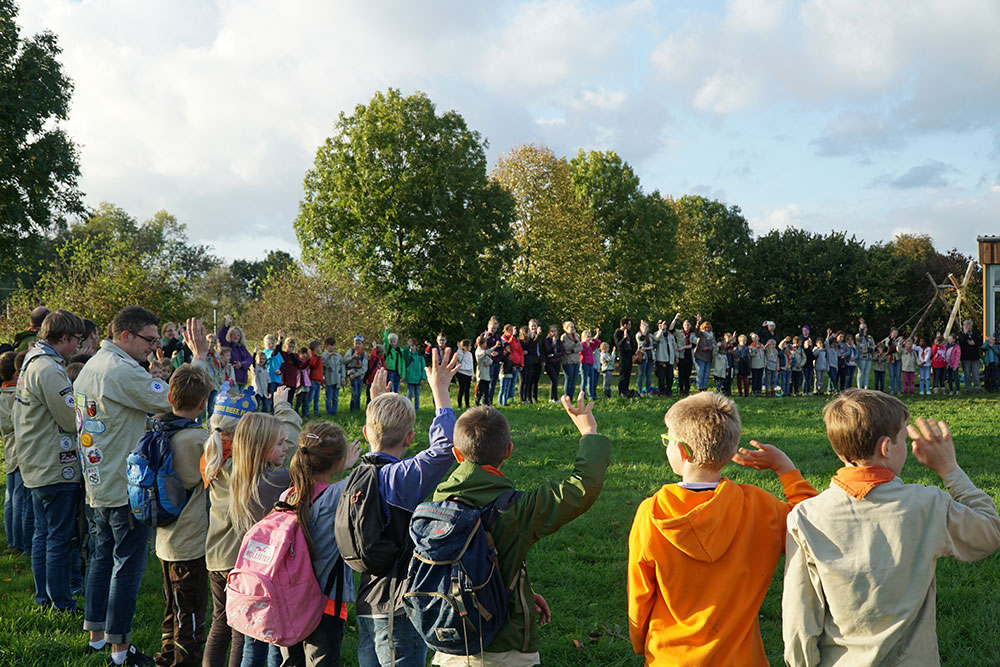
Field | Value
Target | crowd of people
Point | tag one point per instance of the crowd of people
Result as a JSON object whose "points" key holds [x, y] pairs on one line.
{"points": [[72, 407]]}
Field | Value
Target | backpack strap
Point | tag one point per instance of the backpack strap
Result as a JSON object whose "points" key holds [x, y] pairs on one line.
{"points": [[503, 502]]}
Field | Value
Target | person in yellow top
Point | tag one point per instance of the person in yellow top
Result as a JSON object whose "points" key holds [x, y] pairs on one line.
{"points": [[44, 419], [702, 552]]}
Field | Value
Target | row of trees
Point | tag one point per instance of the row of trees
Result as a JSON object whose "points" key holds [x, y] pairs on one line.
{"points": [[402, 222]]}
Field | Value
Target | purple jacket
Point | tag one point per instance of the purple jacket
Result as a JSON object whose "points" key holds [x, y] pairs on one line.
{"points": [[407, 482], [238, 354]]}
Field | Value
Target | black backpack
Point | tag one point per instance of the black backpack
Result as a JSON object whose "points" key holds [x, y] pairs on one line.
{"points": [[367, 541]]}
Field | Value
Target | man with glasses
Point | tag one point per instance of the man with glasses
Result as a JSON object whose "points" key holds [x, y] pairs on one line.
{"points": [[44, 425], [114, 393]]}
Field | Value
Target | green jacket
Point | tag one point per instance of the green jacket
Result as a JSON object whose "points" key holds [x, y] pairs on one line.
{"points": [[537, 513], [395, 357], [415, 368]]}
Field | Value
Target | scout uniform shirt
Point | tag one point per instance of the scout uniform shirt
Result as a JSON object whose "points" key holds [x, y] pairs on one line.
{"points": [[113, 396], [44, 420]]}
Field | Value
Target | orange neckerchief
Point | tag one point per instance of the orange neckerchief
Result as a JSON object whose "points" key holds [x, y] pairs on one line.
{"points": [[859, 480], [493, 470], [9, 384], [227, 451]]}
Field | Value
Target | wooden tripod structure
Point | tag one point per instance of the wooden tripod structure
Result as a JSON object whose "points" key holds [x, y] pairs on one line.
{"points": [[960, 298]]}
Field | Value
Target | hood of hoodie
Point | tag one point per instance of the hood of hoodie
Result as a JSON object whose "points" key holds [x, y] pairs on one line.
{"points": [[701, 524], [41, 348]]}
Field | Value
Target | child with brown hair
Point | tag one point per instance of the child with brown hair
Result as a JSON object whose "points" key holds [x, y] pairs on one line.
{"points": [[859, 573], [482, 444], [180, 546], [694, 543]]}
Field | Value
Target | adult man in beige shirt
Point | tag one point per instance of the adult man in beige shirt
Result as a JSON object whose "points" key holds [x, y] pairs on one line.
{"points": [[114, 393]]}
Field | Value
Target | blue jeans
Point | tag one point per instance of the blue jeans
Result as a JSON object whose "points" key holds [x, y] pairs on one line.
{"points": [[704, 368], [864, 370], [413, 393], [831, 373], [644, 379], [312, 398], [373, 642], [20, 523], [589, 380], [769, 378], [393, 378], [357, 386], [571, 372], [118, 552], [260, 654], [896, 376], [506, 388], [807, 380], [512, 386], [332, 398], [925, 379], [494, 377], [55, 507], [786, 382]]}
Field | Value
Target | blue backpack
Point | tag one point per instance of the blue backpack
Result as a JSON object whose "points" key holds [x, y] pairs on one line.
{"points": [[455, 594], [156, 495]]}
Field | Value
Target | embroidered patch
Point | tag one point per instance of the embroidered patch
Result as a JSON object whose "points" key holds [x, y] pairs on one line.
{"points": [[94, 455], [79, 419], [157, 386], [94, 426], [91, 408], [69, 401], [68, 457], [93, 475], [65, 443], [67, 390], [86, 440], [68, 471]]}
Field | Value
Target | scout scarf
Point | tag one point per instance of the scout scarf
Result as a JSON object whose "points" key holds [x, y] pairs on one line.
{"points": [[858, 481]]}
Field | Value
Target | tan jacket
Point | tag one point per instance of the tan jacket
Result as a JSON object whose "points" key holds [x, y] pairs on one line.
{"points": [[859, 574], [184, 539], [114, 394], [7, 429], [44, 419]]}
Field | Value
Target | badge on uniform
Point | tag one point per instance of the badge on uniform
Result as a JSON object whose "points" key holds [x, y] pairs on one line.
{"points": [[91, 408], [93, 475], [68, 472]]}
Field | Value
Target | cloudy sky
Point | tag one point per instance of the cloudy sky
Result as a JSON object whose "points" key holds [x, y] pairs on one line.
{"points": [[868, 117]]}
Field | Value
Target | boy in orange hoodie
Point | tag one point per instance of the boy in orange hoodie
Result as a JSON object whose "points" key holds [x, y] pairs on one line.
{"points": [[702, 552]]}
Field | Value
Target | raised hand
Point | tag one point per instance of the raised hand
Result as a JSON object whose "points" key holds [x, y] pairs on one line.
{"points": [[380, 382], [353, 452], [280, 394], [196, 338], [932, 445], [581, 416], [765, 457], [439, 377]]}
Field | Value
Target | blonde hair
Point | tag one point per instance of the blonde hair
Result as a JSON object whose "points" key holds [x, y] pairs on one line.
{"points": [[858, 418], [220, 424], [709, 424], [389, 418], [235, 330], [253, 439]]}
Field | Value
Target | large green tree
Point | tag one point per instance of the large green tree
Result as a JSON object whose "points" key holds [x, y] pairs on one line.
{"points": [[559, 255], [39, 165], [638, 232], [398, 199], [713, 241]]}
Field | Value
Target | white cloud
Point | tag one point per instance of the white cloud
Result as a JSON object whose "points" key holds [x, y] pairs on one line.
{"points": [[779, 218]]}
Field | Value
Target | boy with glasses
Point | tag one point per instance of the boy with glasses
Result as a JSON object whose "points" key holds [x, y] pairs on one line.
{"points": [[702, 552]]}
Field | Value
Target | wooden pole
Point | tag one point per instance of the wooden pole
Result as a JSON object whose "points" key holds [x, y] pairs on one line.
{"points": [[963, 288]]}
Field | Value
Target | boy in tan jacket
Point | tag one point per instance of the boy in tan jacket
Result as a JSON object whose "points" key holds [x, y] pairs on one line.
{"points": [[860, 557]]}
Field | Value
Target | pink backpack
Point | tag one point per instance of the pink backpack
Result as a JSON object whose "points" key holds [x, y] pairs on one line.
{"points": [[272, 594]]}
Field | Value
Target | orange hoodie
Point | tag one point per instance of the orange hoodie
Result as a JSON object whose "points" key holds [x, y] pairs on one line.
{"points": [[699, 565]]}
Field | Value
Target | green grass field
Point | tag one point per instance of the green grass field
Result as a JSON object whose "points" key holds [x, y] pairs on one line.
{"points": [[581, 569]]}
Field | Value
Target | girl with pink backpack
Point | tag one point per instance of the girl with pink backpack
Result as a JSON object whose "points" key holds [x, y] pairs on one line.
{"points": [[274, 593]]}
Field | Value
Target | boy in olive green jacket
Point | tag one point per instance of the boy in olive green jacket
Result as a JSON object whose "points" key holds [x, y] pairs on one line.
{"points": [[482, 443]]}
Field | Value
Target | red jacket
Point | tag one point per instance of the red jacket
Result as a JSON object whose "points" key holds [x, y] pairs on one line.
{"points": [[515, 351], [315, 367]]}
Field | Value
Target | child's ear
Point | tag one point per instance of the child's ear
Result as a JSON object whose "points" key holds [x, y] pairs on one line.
{"points": [[364, 431], [882, 446], [458, 454], [204, 402], [510, 450]]}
